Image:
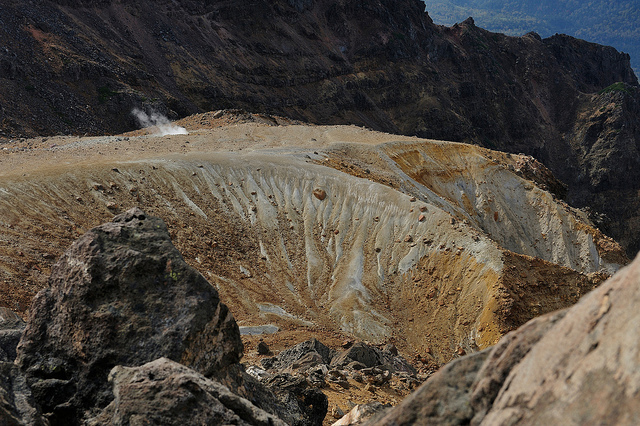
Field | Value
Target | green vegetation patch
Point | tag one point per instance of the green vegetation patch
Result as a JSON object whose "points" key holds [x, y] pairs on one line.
{"points": [[616, 87]]}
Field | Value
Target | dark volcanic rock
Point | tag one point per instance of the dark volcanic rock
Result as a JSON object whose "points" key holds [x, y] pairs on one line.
{"points": [[263, 348], [360, 352], [11, 328], [17, 406], [167, 393], [121, 295], [294, 394], [288, 397], [289, 357], [577, 366]]}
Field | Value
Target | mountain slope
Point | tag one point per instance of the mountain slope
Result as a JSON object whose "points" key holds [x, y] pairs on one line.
{"points": [[613, 23], [324, 229], [80, 67]]}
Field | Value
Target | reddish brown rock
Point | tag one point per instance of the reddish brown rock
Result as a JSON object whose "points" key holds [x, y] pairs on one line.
{"points": [[320, 194]]}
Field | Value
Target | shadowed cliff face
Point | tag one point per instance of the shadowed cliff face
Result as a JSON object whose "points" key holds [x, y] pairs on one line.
{"points": [[80, 67]]}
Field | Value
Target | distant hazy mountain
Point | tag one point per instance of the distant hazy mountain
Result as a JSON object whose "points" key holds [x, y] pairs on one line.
{"points": [[611, 22]]}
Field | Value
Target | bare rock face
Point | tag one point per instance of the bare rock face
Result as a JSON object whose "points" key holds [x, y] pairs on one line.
{"points": [[121, 295], [11, 328], [577, 366], [165, 392], [17, 406]]}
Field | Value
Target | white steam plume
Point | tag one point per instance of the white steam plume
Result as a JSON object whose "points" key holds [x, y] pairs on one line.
{"points": [[160, 122]]}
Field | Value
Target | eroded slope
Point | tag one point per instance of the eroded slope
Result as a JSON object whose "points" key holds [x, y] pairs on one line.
{"points": [[428, 244]]}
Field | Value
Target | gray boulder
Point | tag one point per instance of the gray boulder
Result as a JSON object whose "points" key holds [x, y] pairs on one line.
{"points": [[307, 405], [572, 367], [361, 413], [121, 295], [308, 354], [360, 352], [164, 392]]}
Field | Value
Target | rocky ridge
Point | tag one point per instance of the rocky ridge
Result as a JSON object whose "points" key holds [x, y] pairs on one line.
{"points": [[336, 231], [572, 105]]}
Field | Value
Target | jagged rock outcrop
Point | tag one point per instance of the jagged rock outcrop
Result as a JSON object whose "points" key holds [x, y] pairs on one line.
{"points": [[312, 350], [294, 395], [310, 365], [359, 352], [121, 295], [576, 366], [312, 358], [17, 405], [289, 398], [607, 174], [165, 392]]}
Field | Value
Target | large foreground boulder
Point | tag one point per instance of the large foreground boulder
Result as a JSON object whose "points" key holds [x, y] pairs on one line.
{"points": [[577, 366], [121, 295], [164, 392]]}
